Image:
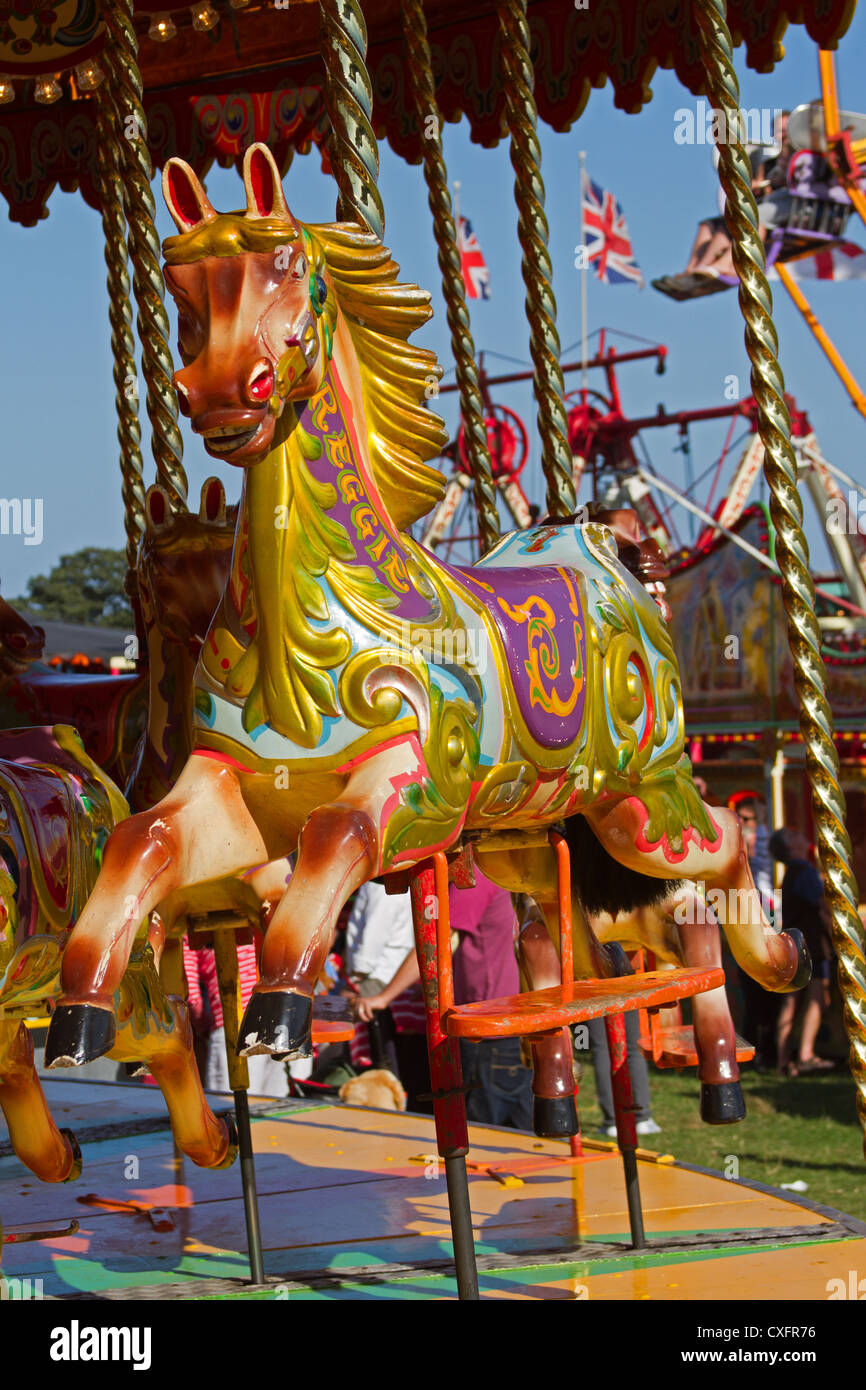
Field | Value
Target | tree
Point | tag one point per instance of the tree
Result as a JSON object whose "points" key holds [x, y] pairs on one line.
{"points": [[86, 587]]}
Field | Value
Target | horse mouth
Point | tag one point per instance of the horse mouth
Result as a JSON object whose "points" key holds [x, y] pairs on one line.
{"points": [[229, 438]]}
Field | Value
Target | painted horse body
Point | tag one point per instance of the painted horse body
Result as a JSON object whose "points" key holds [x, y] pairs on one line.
{"points": [[356, 700]]}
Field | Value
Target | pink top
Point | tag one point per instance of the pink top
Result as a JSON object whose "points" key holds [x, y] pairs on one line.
{"points": [[485, 966], [201, 976]]}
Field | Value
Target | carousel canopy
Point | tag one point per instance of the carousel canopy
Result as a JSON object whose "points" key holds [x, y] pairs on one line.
{"points": [[221, 74]]}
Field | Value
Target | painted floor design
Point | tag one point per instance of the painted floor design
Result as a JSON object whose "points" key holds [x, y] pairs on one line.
{"points": [[353, 1206]]}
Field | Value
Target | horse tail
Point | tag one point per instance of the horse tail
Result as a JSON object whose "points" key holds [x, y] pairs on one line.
{"points": [[603, 884]]}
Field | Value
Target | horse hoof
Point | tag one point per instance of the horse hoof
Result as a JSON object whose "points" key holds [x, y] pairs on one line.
{"points": [[619, 961], [232, 1150], [722, 1104], [803, 973], [554, 1117], [277, 1024], [78, 1033], [77, 1160]]}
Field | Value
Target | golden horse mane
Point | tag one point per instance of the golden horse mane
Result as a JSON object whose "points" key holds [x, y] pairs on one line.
{"points": [[381, 316]]}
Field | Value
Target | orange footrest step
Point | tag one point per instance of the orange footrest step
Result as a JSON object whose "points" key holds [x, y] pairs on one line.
{"points": [[541, 1010], [675, 1047]]}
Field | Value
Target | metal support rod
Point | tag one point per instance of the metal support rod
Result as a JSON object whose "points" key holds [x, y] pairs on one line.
{"points": [[626, 1131], [124, 90], [461, 1227], [792, 553], [349, 103], [248, 1184], [110, 190], [444, 229], [446, 1075], [532, 230], [229, 984]]}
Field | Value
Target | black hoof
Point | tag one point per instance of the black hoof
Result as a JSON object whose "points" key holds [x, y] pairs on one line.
{"points": [[77, 1160], [232, 1150], [619, 961], [803, 973], [277, 1024], [78, 1033], [554, 1117], [722, 1104]]}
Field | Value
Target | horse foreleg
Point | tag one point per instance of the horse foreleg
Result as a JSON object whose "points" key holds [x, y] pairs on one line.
{"points": [[51, 1153], [339, 848], [777, 960], [337, 852], [202, 831]]}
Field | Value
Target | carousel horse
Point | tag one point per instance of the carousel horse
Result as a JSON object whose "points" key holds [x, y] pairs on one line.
{"points": [[357, 700], [57, 809], [20, 643]]}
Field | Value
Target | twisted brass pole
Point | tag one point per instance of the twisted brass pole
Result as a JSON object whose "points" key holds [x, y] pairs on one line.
{"points": [[537, 270], [122, 336], [439, 198], [120, 60], [349, 103], [792, 554]]}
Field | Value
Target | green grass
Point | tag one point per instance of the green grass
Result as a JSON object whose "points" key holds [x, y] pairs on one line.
{"points": [[803, 1129]]}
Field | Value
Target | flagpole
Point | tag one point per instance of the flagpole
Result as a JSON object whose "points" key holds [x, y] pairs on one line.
{"points": [[584, 353], [457, 187]]}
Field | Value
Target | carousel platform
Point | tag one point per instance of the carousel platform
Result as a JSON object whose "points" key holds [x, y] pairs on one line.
{"points": [[353, 1206]]}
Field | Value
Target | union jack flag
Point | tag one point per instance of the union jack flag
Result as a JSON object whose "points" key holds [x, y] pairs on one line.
{"points": [[608, 245], [476, 276]]}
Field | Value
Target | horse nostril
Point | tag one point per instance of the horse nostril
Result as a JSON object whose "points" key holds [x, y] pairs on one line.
{"points": [[261, 385], [182, 398]]}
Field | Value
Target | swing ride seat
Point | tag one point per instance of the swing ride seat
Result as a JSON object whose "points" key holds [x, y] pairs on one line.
{"points": [[576, 1001]]}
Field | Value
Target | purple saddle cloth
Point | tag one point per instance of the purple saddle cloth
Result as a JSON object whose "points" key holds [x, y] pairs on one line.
{"points": [[540, 619]]}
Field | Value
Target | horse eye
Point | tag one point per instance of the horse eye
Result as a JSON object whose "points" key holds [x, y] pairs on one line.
{"points": [[299, 268]]}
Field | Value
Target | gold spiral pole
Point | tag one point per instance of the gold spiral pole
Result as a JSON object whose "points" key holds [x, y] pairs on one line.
{"points": [[349, 103], [792, 555], [537, 270], [439, 198], [122, 335], [120, 60]]}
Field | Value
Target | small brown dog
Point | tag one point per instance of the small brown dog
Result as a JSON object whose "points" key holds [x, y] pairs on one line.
{"points": [[380, 1089]]}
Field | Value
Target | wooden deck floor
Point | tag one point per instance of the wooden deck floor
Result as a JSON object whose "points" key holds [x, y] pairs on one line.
{"points": [[352, 1209]]}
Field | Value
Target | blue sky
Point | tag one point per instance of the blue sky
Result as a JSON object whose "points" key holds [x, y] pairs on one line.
{"points": [[59, 439]]}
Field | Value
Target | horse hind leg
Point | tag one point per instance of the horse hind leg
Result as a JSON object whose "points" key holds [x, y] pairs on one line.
{"points": [[683, 931], [722, 1100], [51, 1153], [779, 961]]}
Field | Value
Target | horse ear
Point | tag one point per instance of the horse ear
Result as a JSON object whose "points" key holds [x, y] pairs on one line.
{"points": [[185, 198], [158, 511], [213, 502], [264, 187]]}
